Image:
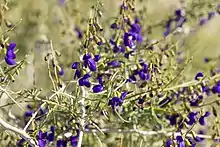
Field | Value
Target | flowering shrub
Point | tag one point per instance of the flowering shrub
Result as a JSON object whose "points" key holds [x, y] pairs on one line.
{"points": [[127, 87]]}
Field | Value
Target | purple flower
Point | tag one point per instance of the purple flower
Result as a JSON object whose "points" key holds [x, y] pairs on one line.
{"points": [[180, 21], [75, 65], [97, 88], [202, 118], [10, 54], [166, 33], [87, 56], [92, 64], [196, 101], [114, 64], [99, 43], [169, 143], [114, 102], [180, 141], [61, 143], [199, 75], [84, 81], [129, 40], [28, 113], [192, 118], [123, 95], [137, 20], [211, 15], [11, 46], [41, 137], [206, 90], [77, 74], [132, 78], [202, 21], [61, 72], [206, 60], [73, 140], [99, 78], [143, 75], [114, 26], [42, 111], [139, 38], [10, 61], [144, 67], [135, 32], [88, 61], [51, 136], [168, 27], [116, 49], [173, 119], [112, 41], [216, 89], [179, 13], [79, 32], [135, 28], [126, 55], [97, 58]]}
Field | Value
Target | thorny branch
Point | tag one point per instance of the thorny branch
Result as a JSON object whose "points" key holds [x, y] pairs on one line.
{"points": [[20, 132]]}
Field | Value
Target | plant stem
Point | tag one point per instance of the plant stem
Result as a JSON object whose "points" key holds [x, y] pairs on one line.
{"points": [[83, 111], [20, 132]]}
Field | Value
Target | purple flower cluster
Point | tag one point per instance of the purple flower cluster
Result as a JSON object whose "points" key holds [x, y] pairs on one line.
{"points": [[179, 20], [142, 73], [130, 39], [191, 119], [10, 54], [181, 142], [89, 63], [45, 138], [116, 101], [125, 43], [210, 15], [31, 111]]}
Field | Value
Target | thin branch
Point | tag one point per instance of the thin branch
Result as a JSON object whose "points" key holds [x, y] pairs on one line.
{"points": [[148, 133], [6, 92], [83, 111], [20, 132], [35, 114]]}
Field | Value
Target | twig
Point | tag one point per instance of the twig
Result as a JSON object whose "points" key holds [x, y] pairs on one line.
{"points": [[99, 140], [35, 114], [22, 133], [6, 92], [149, 133], [83, 111]]}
